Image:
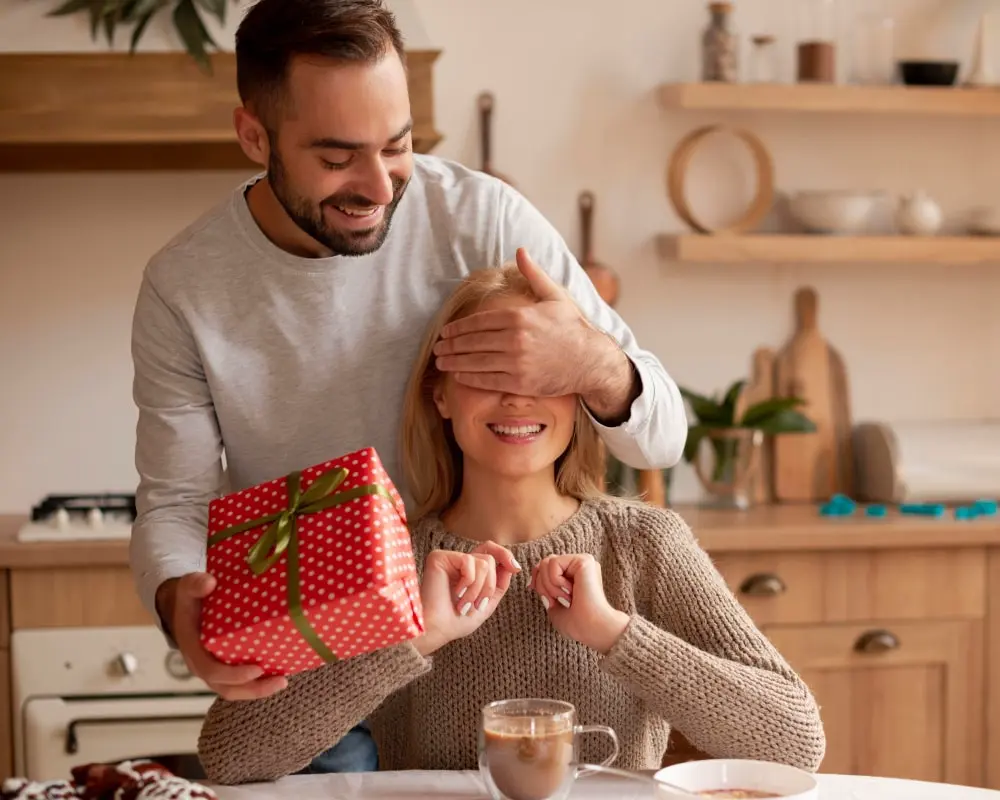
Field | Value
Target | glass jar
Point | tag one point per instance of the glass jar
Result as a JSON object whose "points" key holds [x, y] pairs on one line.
{"points": [[816, 52], [719, 46], [874, 55], [763, 60]]}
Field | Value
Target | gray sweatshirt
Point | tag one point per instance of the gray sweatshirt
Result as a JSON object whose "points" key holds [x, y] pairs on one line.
{"points": [[251, 362]]}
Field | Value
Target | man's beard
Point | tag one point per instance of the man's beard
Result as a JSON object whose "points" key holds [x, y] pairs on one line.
{"points": [[311, 219]]}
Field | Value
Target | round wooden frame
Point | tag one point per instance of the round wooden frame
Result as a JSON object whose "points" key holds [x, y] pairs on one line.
{"points": [[677, 172]]}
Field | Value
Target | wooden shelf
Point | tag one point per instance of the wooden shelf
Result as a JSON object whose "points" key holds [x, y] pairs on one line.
{"points": [[815, 249], [828, 98], [148, 111]]}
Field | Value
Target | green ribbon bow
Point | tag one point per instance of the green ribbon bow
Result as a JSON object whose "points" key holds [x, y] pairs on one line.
{"points": [[282, 536]]}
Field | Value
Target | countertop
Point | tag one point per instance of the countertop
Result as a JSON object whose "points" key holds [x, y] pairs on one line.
{"points": [[420, 785], [765, 528], [40, 555], [788, 527]]}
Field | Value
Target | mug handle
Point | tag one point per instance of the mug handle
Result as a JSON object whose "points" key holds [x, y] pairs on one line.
{"points": [[584, 771]]}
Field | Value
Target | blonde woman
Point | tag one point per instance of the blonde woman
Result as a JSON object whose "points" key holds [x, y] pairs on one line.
{"points": [[534, 585]]}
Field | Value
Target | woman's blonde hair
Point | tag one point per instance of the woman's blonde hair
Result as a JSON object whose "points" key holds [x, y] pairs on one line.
{"points": [[432, 460]]}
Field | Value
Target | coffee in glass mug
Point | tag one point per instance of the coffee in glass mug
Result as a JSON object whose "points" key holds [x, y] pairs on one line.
{"points": [[528, 749]]}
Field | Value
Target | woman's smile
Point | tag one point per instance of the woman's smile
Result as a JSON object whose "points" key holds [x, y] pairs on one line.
{"points": [[517, 431]]}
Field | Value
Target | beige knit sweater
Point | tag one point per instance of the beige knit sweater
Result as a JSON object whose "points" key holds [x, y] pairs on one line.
{"points": [[690, 657]]}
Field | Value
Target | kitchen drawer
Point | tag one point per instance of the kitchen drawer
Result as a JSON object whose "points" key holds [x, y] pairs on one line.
{"points": [[72, 598], [858, 585], [897, 699]]}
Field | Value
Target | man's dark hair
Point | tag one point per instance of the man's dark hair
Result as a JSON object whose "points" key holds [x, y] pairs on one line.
{"points": [[273, 32]]}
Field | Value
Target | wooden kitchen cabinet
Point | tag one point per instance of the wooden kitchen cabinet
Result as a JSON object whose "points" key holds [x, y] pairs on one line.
{"points": [[891, 642], [898, 699], [6, 728], [68, 597]]}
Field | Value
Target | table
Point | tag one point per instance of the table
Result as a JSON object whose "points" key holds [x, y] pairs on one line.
{"points": [[420, 785]]}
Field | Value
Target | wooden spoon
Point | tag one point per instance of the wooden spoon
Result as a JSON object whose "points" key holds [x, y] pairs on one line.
{"points": [[604, 278], [486, 103]]}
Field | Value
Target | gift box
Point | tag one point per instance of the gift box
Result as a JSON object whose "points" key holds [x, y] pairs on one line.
{"points": [[311, 568]]}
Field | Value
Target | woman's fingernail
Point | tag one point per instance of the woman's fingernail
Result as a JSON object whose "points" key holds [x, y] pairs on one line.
{"points": [[461, 594], [514, 564], [465, 609], [545, 602], [566, 590], [482, 604], [563, 602]]}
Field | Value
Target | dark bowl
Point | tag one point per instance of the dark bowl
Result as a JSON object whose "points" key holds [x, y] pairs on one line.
{"points": [[928, 73]]}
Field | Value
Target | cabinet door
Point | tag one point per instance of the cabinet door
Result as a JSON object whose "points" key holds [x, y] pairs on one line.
{"points": [[6, 721], [898, 699]]}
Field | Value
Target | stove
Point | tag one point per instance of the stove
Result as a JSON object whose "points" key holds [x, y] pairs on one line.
{"points": [[80, 517]]}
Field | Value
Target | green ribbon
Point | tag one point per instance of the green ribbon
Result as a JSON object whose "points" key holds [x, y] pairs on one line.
{"points": [[282, 536]]}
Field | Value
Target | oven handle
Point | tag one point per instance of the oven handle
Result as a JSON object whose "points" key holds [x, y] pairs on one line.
{"points": [[73, 744]]}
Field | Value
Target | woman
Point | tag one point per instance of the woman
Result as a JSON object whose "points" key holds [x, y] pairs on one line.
{"points": [[533, 585]]}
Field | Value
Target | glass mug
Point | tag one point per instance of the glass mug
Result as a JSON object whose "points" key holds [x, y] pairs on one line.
{"points": [[528, 749]]}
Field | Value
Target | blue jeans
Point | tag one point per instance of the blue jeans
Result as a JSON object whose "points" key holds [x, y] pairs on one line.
{"points": [[356, 752]]}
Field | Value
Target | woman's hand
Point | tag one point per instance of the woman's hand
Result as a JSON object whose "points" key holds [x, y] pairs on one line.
{"points": [[572, 592], [459, 592]]}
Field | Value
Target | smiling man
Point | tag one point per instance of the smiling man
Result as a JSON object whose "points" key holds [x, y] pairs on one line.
{"points": [[278, 330]]}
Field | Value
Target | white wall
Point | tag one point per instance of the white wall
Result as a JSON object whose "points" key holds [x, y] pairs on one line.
{"points": [[575, 84]]}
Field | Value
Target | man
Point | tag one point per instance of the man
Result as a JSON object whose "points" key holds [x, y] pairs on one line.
{"points": [[278, 330]]}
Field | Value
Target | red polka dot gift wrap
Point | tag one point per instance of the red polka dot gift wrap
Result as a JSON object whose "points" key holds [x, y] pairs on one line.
{"points": [[311, 568]]}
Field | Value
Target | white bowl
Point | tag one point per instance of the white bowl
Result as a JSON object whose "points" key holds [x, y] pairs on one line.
{"points": [[781, 780], [843, 212]]}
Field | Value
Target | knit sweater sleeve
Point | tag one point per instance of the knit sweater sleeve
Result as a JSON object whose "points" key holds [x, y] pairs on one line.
{"points": [[263, 740], [696, 657]]}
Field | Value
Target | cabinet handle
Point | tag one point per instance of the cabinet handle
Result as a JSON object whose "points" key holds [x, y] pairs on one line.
{"points": [[876, 642], [763, 585]]}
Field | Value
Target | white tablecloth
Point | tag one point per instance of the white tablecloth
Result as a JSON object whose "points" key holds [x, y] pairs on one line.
{"points": [[467, 786]]}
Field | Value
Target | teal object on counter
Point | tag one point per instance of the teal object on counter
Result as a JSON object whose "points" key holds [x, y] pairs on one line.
{"points": [[923, 509], [877, 510], [986, 508], [981, 508], [838, 506]]}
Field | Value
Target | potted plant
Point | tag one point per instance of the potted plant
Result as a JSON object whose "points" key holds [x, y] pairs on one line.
{"points": [[107, 15], [735, 438]]}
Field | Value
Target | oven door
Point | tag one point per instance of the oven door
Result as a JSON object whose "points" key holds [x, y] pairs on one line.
{"points": [[60, 733]]}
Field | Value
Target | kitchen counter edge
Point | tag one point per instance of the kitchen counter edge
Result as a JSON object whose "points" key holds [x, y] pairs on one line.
{"points": [[761, 529]]}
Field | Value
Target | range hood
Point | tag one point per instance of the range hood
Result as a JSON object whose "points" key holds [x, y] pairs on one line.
{"points": [[115, 111]]}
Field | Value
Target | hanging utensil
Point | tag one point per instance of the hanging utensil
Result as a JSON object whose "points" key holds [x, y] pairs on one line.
{"points": [[604, 278], [486, 103]]}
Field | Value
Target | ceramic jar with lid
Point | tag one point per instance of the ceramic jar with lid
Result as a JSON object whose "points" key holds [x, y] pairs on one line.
{"points": [[720, 46], [918, 214]]}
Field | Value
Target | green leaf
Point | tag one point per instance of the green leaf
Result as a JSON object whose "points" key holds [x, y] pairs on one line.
{"points": [[96, 15], [695, 434], [787, 421], [138, 10], [139, 29], [193, 32], [759, 412], [705, 409], [217, 8], [69, 7], [732, 395], [111, 15]]}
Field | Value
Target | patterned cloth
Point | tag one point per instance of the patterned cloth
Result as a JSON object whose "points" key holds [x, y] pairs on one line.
{"points": [[129, 780]]}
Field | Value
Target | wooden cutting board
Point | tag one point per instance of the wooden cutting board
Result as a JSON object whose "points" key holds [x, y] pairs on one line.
{"points": [[760, 387], [843, 423], [807, 466]]}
